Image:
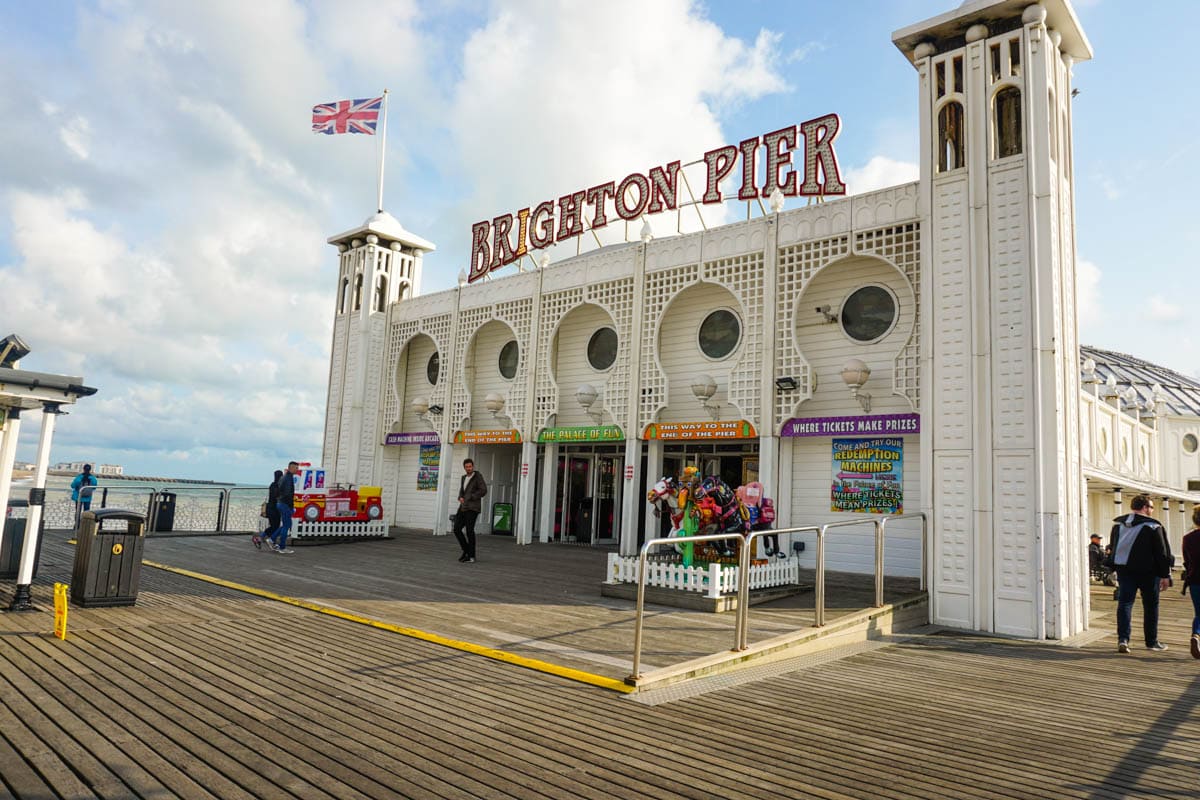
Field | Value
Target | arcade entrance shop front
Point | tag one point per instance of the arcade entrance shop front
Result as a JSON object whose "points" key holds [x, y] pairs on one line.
{"points": [[587, 496]]}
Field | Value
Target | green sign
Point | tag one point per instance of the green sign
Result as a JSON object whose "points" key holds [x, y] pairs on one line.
{"points": [[587, 433], [502, 520]]}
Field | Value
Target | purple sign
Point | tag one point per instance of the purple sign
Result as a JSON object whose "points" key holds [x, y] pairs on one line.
{"points": [[424, 437], [876, 424]]}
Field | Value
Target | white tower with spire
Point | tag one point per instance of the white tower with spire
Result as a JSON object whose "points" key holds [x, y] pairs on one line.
{"points": [[1000, 394], [379, 264]]}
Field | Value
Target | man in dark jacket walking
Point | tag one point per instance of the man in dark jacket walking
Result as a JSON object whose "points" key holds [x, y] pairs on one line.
{"points": [[470, 492], [1142, 557], [285, 493]]}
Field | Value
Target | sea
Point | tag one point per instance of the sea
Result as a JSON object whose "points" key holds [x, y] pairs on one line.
{"points": [[190, 505]]}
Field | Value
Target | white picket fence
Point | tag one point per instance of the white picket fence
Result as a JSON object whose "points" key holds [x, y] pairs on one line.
{"points": [[327, 529], [713, 580]]}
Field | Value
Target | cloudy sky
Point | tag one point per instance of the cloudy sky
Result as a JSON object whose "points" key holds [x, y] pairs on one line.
{"points": [[164, 205]]}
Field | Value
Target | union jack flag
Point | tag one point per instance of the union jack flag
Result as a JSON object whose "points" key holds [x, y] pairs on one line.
{"points": [[347, 116]]}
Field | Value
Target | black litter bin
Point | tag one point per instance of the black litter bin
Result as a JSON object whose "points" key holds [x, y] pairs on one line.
{"points": [[15, 521], [162, 512], [108, 564]]}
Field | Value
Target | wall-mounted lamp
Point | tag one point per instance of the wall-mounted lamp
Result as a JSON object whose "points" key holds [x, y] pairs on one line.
{"points": [[426, 412], [494, 402], [586, 395], [827, 312], [704, 387], [786, 383], [855, 374]]}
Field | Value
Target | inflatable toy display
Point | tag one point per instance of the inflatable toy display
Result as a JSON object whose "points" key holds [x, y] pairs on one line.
{"points": [[700, 505]]}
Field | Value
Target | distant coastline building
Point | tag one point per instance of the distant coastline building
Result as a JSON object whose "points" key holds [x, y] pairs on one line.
{"points": [[97, 469], [926, 332]]}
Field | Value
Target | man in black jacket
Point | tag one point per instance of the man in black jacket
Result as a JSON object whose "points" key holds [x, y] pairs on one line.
{"points": [[470, 492], [1142, 557]]}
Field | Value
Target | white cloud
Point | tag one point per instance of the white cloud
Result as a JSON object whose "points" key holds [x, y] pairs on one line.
{"points": [[879, 173], [76, 136], [1160, 309], [653, 100]]}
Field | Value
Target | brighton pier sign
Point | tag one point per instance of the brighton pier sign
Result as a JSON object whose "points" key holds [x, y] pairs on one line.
{"points": [[657, 190]]}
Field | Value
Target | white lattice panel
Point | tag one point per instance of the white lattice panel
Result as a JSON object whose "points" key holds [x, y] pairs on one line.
{"points": [[518, 315], [901, 245], [953, 386], [1011, 304], [347, 434], [372, 395], [797, 264], [333, 401], [389, 479], [554, 307], [660, 287], [742, 275], [401, 333], [1016, 525], [954, 507]]}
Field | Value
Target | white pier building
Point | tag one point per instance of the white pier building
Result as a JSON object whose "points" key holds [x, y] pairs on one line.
{"points": [[932, 323]]}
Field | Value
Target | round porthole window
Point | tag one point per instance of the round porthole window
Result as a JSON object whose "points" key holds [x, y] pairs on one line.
{"points": [[432, 368], [1190, 443], [509, 354], [1103, 442], [1124, 449], [719, 334], [1142, 455], [868, 314], [602, 349]]}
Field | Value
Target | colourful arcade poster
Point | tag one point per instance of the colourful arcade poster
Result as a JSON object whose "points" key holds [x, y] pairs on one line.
{"points": [[868, 476], [429, 462]]}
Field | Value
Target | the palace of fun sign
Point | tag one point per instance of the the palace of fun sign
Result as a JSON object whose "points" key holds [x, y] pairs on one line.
{"points": [[868, 476], [657, 190]]}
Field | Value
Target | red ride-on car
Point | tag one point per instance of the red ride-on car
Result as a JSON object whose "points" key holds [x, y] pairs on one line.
{"points": [[341, 505]]}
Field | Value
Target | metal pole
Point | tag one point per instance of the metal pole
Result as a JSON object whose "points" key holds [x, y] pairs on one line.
{"points": [[10, 426], [879, 523], [641, 603], [382, 148], [820, 582], [22, 600]]}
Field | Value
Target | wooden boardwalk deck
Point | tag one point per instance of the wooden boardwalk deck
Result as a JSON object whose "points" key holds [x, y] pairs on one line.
{"points": [[203, 691]]}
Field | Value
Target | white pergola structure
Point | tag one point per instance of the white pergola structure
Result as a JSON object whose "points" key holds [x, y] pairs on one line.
{"points": [[23, 390]]}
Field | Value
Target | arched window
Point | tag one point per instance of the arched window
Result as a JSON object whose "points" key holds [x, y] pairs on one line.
{"points": [[1008, 122], [381, 294], [345, 296], [952, 138], [358, 291]]}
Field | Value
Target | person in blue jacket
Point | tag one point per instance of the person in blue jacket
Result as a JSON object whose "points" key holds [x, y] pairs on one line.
{"points": [[82, 488]]}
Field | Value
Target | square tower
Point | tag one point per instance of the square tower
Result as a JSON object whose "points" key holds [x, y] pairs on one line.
{"points": [[1000, 355]]}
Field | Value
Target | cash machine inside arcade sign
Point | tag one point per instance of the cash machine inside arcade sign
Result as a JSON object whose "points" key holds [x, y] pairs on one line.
{"points": [[552, 221]]}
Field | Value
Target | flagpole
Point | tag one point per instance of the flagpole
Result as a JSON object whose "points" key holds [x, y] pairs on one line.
{"points": [[382, 149]]}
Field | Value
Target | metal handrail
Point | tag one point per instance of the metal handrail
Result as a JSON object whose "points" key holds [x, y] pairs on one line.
{"points": [[743, 602], [641, 594], [879, 523]]}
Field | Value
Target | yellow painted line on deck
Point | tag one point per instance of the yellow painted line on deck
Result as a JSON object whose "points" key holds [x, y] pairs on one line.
{"points": [[477, 649]]}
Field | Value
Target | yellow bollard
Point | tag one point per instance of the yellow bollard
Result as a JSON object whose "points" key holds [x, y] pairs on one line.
{"points": [[60, 610]]}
